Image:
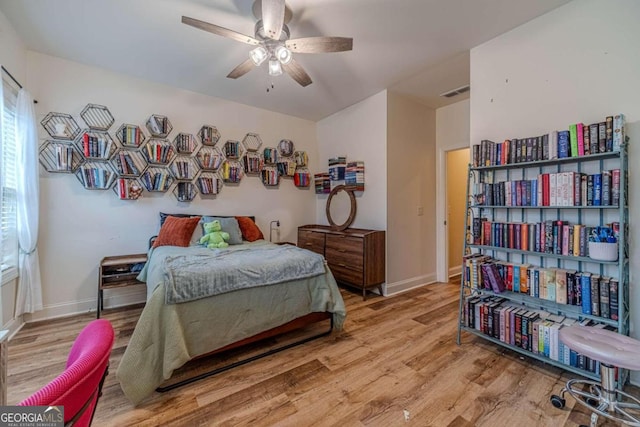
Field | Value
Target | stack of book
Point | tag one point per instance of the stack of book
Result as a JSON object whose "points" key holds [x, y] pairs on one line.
{"points": [[337, 168], [322, 183], [354, 176]]}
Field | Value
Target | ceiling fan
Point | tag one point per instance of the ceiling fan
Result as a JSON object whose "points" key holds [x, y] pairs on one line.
{"points": [[272, 41]]}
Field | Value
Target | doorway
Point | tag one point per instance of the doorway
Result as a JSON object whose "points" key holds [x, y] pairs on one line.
{"points": [[456, 187]]}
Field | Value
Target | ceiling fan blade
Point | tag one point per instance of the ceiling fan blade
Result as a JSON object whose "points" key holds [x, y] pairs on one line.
{"points": [[221, 31], [273, 18], [320, 44], [241, 69], [297, 73]]}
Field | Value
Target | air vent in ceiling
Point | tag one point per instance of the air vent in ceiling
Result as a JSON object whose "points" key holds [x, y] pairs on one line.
{"points": [[455, 92]]}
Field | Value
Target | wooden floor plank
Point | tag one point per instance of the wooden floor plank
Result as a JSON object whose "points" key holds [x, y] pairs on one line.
{"points": [[395, 363]]}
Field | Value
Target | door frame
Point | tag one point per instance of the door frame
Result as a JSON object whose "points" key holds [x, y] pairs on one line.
{"points": [[442, 232]]}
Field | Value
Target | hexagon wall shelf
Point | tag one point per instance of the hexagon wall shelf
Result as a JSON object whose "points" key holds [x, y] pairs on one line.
{"points": [[60, 157], [158, 152], [286, 148], [60, 126], [97, 117], [231, 171], [159, 126], [209, 135], [156, 179], [96, 175], [183, 168], [127, 189], [252, 142], [95, 144], [129, 163], [184, 191], [185, 143], [209, 158], [208, 183], [130, 136]]}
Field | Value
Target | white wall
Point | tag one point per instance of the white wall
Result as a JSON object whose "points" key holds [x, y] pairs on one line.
{"points": [[452, 133], [578, 63], [360, 133], [79, 227], [411, 248]]}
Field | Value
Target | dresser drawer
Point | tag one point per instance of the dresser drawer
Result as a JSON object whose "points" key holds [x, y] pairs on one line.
{"points": [[311, 240], [354, 260], [345, 243], [344, 273]]}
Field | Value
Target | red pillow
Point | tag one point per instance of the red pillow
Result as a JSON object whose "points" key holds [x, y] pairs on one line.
{"points": [[176, 231], [249, 229]]}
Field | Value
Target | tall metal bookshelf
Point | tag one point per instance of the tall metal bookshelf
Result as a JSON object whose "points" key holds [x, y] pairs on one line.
{"points": [[593, 215]]}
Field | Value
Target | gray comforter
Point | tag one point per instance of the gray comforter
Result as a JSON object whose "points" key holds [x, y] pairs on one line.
{"points": [[205, 272]]}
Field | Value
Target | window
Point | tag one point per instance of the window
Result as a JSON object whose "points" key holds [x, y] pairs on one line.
{"points": [[8, 210]]}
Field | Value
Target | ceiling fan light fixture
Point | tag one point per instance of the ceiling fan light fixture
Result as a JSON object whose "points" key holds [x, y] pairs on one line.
{"points": [[275, 69], [283, 54], [258, 55]]}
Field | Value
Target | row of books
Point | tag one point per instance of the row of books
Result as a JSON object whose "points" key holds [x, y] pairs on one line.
{"points": [[551, 236], [337, 168], [128, 189], [185, 192], [231, 172], [185, 143], [270, 155], [126, 165], [232, 149], [93, 177], [552, 189], [96, 147], [208, 185], [64, 157], [183, 170], [270, 177], [131, 135], [535, 331], [158, 125], [322, 183], [578, 140], [596, 294], [159, 181], [209, 137], [209, 161], [253, 164], [158, 152], [301, 158], [354, 175], [286, 167], [302, 179]]}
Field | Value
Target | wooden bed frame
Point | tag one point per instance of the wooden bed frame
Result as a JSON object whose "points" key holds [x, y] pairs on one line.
{"points": [[290, 326], [293, 325]]}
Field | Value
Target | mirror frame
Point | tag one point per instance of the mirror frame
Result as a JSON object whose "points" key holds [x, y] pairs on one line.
{"points": [[352, 213]]}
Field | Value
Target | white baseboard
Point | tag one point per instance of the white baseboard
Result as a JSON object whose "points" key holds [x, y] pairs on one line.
{"points": [[13, 326], [455, 271], [407, 284], [118, 299]]}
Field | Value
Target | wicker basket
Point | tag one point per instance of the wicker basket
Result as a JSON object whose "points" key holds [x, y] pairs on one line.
{"points": [[603, 251]]}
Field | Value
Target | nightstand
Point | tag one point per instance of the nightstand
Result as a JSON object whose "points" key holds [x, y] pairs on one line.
{"points": [[117, 272]]}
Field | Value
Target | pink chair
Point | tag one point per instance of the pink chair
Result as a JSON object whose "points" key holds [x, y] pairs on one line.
{"points": [[80, 385]]}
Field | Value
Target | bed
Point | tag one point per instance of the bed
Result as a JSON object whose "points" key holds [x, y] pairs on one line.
{"points": [[181, 321]]}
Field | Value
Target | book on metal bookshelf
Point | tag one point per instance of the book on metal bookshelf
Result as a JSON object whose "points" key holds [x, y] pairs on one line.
{"points": [[546, 241]]}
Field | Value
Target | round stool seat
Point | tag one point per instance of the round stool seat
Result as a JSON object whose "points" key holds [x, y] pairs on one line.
{"points": [[603, 345]]}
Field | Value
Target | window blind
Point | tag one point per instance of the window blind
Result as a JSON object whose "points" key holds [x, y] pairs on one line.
{"points": [[8, 210]]}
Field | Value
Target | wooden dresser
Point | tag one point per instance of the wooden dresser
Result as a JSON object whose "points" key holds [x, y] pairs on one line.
{"points": [[355, 256]]}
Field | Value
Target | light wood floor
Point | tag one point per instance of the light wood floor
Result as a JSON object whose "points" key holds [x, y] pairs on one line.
{"points": [[395, 354]]}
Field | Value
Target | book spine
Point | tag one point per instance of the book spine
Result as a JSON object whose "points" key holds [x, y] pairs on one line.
{"points": [[606, 188], [597, 189], [609, 134], [585, 288], [580, 138], [618, 131], [602, 137], [604, 298], [573, 140], [615, 187], [613, 299], [586, 140], [593, 138], [563, 144], [595, 295]]}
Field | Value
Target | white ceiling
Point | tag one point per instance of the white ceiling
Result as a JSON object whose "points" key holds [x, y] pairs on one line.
{"points": [[415, 47]]}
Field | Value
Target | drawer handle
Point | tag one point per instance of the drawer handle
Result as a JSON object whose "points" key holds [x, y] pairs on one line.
{"points": [[309, 244]]}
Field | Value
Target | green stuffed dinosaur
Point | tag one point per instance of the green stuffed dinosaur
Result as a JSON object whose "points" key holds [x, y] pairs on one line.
{"points": [[213, 236]]}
